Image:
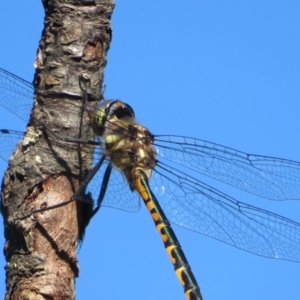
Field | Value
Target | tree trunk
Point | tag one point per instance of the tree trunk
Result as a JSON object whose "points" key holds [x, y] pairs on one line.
{"points": [[41, 250]]}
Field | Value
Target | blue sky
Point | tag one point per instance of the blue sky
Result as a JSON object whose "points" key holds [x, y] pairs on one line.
{"points": [[222, 71]]}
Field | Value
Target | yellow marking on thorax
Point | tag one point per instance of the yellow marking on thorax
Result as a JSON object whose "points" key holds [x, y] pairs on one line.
{"points": [[141, 153], [111, 138]]}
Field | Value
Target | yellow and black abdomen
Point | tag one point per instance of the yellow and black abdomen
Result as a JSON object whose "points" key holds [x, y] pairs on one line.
{"points": [[171, 243]]}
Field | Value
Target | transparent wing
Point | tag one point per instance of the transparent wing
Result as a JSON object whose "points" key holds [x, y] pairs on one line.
{"points": [[193, 205], [118, 194], [189, 202], [8, 141], [16, 94], [268, 177]]}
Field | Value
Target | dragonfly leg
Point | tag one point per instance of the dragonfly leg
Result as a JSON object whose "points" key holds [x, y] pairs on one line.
{"points": [[103, 188], [66, 139], [76, 196]]}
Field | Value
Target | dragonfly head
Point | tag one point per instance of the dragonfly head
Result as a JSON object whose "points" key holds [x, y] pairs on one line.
{"points": [[109, 111]]}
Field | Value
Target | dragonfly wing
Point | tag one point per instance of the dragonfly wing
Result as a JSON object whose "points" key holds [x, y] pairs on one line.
{"points": [[201, 208], [8, 141], [16, 94], [118, 194], [267, 177]]}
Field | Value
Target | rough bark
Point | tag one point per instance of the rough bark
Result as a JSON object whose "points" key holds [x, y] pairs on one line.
{"points": [[41, 250]]}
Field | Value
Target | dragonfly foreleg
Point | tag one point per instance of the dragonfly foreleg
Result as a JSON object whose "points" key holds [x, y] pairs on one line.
{"points": [[76, 196]]}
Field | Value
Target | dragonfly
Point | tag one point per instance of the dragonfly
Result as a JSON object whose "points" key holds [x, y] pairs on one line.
{"points": [[162, 170]]}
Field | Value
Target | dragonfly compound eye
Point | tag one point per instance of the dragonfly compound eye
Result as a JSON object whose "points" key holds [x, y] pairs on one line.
{"points": [[109, 110], [100, 116], [120, 110]]}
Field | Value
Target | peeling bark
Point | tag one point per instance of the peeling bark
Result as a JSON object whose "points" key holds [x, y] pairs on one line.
{"points": [[41, 250]]}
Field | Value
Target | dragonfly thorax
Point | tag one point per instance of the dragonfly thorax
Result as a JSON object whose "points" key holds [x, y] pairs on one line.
{"points": [[128, 145]]}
